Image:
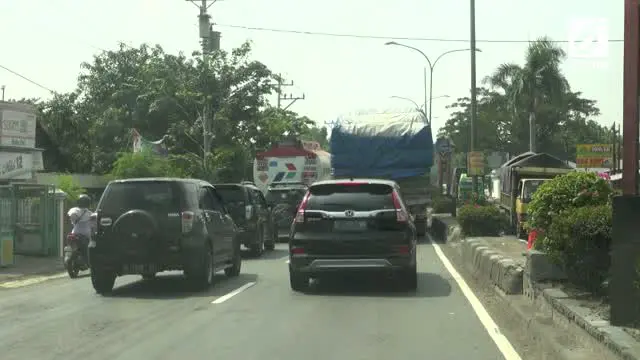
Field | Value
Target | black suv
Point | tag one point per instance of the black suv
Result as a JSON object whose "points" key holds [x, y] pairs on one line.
{"points": [[251, 214], [352, 225], [284, 200], [145, 226]]}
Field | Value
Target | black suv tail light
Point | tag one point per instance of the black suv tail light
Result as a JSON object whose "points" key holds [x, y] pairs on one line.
{"points": [[187, 218]]}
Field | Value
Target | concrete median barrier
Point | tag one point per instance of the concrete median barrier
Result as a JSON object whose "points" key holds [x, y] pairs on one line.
{"points": [[489, 265]]}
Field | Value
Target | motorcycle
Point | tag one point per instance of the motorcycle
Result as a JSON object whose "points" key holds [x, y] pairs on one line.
{"points": [[75, 255]]}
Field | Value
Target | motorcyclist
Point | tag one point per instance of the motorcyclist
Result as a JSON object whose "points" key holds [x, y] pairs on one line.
{"points": [[80, 217]]}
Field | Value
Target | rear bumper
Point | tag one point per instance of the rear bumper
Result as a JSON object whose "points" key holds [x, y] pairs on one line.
{"points": [[317, 264], [247, 237], [283, 233], [112, 258]]}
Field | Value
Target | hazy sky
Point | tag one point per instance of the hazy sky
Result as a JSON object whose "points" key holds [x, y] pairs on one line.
{"points": [[46, 40]]}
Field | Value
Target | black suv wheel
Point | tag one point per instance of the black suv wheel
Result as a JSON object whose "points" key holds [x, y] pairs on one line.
{"points": [[269, 244], [102, 281], [409, 278], [257, 248], [236, 262], [202, 273], [298, 281]]}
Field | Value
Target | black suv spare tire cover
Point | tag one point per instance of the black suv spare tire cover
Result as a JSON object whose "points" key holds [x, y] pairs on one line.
{"points": [[135, 225]]}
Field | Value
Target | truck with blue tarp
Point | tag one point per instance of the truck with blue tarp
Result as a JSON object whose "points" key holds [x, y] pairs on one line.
{"points": [[396, 146]]}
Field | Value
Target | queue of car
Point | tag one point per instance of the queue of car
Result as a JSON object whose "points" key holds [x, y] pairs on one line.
{"points": [[147, 226]]}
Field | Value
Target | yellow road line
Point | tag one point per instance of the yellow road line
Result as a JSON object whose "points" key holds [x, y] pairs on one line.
{"points": [[30, 281]]}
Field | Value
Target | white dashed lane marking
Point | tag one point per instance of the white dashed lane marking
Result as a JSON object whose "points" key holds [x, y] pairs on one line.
{"points": [[235, 292]]}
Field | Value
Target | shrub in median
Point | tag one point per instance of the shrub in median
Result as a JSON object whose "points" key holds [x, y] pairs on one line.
{"points": [[477, 220], [570, 191], [579, 240], [473, 199]]}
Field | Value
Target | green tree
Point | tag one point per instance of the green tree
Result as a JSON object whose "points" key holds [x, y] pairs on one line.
{"points": [[534, 88], [492, 123], [73, 190], [564, 118], [164, 94], [143, 164], [319, 134]]}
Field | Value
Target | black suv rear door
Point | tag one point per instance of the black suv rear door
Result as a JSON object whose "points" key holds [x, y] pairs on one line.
{"points": [[234, 198], [262, 210], [214, 223], [161, 200], [228, 226]]}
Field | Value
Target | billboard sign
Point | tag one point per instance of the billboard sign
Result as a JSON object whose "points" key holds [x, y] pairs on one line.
{"points": [[594, 156], [476, 163], [17, 129]]}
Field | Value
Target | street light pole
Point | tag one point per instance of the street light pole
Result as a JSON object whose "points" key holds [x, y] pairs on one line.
{"points": [[431, 68], [425, 95]]}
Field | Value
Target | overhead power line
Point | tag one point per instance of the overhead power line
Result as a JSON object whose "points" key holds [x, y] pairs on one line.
{"points": [[26, 78], [363, 36]]}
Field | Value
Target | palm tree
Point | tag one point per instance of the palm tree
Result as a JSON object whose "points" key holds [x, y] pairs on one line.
{"points": [[540, 81]]}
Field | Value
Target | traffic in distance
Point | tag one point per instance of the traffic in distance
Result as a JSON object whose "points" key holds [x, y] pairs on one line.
{"points": [[338, 212], [147, 226]]}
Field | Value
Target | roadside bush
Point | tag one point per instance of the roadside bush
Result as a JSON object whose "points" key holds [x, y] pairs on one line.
{"points": [[477, 220], [443, 205], [573, 190], [579, 241]]}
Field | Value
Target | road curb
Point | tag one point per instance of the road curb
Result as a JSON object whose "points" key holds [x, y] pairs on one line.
{"points": [[543, 311], [613, 338], [25, 277], [538, 336]]}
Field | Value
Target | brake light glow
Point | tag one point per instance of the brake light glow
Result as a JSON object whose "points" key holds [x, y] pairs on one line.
{"points": [[401, 214], [187, 218], [403, 249], [303, 205], [297, 251]]}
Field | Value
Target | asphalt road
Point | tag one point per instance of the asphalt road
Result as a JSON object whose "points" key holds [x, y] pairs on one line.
{"points": [[342, 320]]}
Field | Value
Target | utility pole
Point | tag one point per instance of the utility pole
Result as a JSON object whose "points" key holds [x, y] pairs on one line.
{"points": [[291, 98], [2, 88], [474, 101], [210, 42], [279, 86], [614, 166]]}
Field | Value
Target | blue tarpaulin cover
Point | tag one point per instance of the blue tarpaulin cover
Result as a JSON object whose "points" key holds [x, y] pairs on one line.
{"points": [[389, 145]]}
